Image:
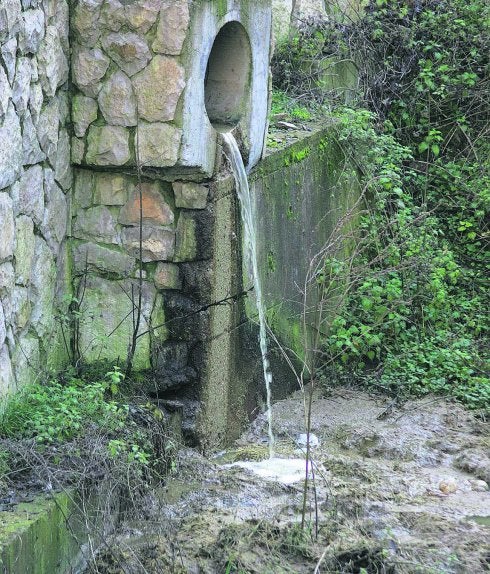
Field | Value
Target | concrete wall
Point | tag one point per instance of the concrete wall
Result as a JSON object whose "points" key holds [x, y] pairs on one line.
{"points": [[301, 193], [35, 183]]}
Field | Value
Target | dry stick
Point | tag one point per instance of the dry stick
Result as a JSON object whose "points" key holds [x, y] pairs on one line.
{"points": [[136, 323]]}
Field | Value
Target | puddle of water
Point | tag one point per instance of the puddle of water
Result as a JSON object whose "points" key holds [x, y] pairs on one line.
{"points": [[482, 520], [283, 470]]}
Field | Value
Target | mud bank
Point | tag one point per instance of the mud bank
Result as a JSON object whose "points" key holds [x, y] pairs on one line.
{"points": [[395, 490]]}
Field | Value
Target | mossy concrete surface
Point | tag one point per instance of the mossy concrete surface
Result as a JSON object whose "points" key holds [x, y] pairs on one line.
{"points": [[42, 536], [301, 193]]}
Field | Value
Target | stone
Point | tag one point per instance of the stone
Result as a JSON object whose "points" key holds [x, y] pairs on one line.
{"points": [[36, 100], [185, 238], [190, 195], [47, 130], [7, 278], [11, 154], [31, 150], [107, 327], [28, 194], [77, 150], [62, 169], [128, 50], [32, 31], [10, 18], [83, 112], [3, 329], [158, 243], [7, 228], [87, 256], [172, 27], [21, 85], [108, 145], [52, 62], [96, 223], [158, 144], [9, 56], [61, 20], [155, 210], [83, 188], [110, 189], [26, 360], [117, 101], [42, 289], [5, 93], [7, 380], [85, 22], [167, 276], [24, 249], [88, 68], [20, 308], [55, 212], [158, 88]]}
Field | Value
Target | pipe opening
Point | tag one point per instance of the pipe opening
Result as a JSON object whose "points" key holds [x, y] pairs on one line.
{"points": [[227, 77]]}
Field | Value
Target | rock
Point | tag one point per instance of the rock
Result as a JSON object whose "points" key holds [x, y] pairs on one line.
{"points": [[86, 21], [11, 154], [172, 27], [5, 93], [128, 50], [155, 210], [31, 151], [63, 172], [47, 130], [88, 68], [478, 485], [10, 19], [158, 243], [158, 144], [117, 101], [185, 320], [9, 55], [84, 112], [36, 100], [108, 324], [24, 249], [83, 189], [110, 189], [185, 238], [107, 145], [6, 374], [167, 276], [7, 281], [25, 360], [52, 62], [158, 88], [21, 85], [20, 308], [77, 150], [28, 194], [90, 255], [448, 485], [42, 289], [32, 31], [3, 329], [190, 195], [55, 212], [7, 227], [96, 223]]}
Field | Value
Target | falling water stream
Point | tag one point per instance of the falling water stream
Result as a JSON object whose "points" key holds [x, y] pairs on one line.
{"points": [[250, 250]]}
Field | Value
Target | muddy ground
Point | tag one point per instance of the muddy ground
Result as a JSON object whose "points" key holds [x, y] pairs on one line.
{"points": [[396, 489]]}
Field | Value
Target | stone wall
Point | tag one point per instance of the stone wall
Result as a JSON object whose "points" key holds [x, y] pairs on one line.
{"points": [[35, 182]]}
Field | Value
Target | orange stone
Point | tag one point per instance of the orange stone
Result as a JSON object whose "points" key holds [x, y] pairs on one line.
{"points": [[155, 209]]}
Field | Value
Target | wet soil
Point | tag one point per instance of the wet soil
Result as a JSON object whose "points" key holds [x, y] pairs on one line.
{"points": [[393, 489]]}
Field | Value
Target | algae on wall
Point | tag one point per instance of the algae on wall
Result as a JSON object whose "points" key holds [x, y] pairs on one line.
{"points": [[301, 194]]}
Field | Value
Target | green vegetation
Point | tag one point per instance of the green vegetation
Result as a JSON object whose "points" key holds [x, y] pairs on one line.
{"points": [[413, 317]]}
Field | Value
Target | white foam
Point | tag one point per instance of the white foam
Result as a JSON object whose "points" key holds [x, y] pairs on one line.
{"points": [[283, 470]]}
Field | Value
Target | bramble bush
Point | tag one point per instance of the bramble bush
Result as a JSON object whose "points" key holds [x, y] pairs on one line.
{"points": [[414, 317]]}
